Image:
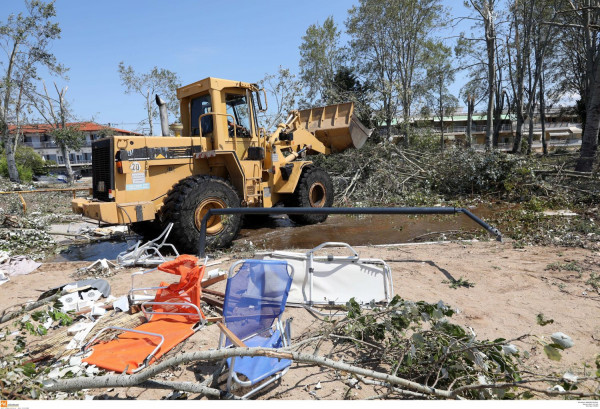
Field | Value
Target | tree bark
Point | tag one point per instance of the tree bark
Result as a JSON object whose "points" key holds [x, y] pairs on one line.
{"points": [[543, 114], [490, 41], [149, 109], [8, 139], [13, 172], [442, 144], [589, 140], [470, 109]]}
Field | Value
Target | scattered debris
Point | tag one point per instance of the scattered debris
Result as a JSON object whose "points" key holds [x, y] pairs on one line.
{"points": [[99, 268], [564, 213], [148, 254], [17, 265], [121, 303], [82, 331], [563, 340], [3, 277]]}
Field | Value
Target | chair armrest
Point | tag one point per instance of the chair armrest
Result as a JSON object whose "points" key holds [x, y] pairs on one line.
{"points": [[234, 339], [187, 304], [139, 273]]}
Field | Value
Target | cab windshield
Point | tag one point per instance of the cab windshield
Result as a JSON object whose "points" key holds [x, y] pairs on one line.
{"points": [[237, 107]]}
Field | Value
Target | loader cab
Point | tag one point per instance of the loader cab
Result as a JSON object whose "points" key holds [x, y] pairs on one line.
{"points": [[222, 112], [239, 116], [199, 106]]}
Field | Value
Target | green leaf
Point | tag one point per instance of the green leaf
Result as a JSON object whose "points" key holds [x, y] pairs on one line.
{"points": [[418, 339], [552, 353], [29, 369], [527, 395], [541, 320]]}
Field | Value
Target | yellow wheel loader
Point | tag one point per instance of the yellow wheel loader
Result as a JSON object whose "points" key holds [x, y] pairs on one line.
{"points": [[225, 160]]}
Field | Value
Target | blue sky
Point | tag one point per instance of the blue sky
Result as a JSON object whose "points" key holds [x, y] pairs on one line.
{"points": [[240, 40]]}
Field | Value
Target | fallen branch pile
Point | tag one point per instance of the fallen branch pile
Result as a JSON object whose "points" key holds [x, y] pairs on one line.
{"points": [[425, 356]]}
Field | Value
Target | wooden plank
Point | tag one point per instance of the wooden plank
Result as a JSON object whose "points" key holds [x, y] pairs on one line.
{"points": [[212, 301], [232, 337], [214, 280], [213, 292]]}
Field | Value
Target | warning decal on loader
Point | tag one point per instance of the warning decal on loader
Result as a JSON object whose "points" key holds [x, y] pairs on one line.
{"points": [[137, 186]]}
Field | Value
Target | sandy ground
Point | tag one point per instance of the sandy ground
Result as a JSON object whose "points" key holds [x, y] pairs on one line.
{"points": [[511, 287]]}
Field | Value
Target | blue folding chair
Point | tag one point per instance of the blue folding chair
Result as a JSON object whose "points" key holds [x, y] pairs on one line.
{"points": [[254, 301]]}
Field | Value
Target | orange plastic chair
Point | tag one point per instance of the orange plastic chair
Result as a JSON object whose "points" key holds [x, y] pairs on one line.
{"points": [[175, 316]]}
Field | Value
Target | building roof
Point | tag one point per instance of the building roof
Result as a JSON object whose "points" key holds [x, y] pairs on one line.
{"points": [[83, 126]]}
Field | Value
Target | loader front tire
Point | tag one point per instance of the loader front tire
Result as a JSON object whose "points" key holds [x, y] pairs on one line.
{"points": [[314, 189], [187, 203]]}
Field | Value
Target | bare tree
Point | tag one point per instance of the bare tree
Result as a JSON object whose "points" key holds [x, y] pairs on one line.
{"points": [[284, 90], [25, 39], [56, 113], [487, 13], [157, 81]]}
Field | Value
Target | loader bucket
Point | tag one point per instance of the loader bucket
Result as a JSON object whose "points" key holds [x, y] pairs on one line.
{"points": [[335, 126]]}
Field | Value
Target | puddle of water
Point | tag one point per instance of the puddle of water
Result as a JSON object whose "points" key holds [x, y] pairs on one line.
{"points": [[279, 233], [94, 251]]}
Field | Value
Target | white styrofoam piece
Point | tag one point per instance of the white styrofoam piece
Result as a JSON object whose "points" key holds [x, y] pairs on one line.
{"points": [[121, 303], [77, 341], [91, 295]]}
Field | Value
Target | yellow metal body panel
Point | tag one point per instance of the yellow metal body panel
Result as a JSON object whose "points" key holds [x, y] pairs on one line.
{"points": [[146, 168]]}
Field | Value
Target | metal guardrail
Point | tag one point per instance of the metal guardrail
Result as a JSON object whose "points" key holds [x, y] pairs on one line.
{"points": [[340, 210]]}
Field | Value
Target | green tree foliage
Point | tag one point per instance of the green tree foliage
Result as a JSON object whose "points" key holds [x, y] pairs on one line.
{"points": [[440, 74], [284, 91], [158, 81], [346, 87], [388, 43], [28, 163], [105, 132], [26, 40], [320, 58]]}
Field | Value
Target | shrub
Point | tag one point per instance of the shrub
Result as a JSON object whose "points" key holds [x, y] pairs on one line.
{"points": [[29, 163]]}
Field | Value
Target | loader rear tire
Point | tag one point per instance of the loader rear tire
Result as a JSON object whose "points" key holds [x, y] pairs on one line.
{"points": [[187, 203], [314, 189]]}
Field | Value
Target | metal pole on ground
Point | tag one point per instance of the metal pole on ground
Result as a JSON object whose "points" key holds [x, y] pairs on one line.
{"points": [[339, 210]]}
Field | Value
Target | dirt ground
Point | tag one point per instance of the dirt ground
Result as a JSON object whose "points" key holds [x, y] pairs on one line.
{"points": [[511, 287]]}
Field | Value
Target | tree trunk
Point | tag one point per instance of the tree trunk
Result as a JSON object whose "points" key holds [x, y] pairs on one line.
{"points": [[589, 140], [11, 162], [470, 109], [543, 115], [490, 36], [65, 154], [406, 124], [530, 135], [149, 109], [442, 144]]}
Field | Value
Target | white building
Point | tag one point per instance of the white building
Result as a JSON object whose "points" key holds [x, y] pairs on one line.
{"points": [[38, 137]]}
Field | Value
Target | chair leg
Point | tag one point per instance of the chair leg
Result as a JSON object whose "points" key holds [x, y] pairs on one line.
{"points": [[265, 384]]}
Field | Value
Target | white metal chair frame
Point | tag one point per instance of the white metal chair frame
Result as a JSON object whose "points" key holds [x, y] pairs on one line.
{"points": [[310, 258], [148, 253]]}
